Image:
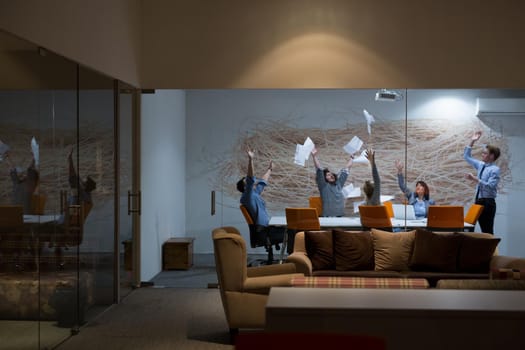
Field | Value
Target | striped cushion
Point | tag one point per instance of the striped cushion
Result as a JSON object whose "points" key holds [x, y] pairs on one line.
{"points": [[359, 282]]}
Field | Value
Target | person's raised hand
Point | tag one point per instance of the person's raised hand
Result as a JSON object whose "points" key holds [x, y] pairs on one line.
{"points": [[476, 136], [399, 166], [249, 152], [370, 155], [470, 176]]}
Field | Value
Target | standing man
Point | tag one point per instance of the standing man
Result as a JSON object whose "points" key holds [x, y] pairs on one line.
{"points": [[331, 187], [487, 179]]}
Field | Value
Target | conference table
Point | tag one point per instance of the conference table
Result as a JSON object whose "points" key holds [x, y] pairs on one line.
{"points": [[354, 223], [39, 219]]}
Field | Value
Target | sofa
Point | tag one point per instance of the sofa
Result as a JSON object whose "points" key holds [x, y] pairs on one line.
{"points": [[419, 253]]}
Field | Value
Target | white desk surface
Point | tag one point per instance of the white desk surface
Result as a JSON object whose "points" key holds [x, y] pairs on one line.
{"points": [[355, 222], [39, 219]]}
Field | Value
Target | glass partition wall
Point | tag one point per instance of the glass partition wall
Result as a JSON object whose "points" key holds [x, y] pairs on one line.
{"points": [[59, 234]]}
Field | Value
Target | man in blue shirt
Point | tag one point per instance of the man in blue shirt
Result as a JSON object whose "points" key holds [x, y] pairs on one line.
{"points": [[487, 179], [252, 189]]}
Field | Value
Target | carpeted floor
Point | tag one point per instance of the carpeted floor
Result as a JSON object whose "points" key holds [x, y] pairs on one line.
{"points": [[195, 277], [158, 318], [181, 310]]}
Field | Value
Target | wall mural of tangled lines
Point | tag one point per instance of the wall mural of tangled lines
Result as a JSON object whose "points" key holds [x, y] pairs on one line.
{"points": [[434, 154]]}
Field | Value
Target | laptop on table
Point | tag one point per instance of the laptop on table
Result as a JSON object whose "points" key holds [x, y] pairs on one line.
{"points": [[404, 212]]}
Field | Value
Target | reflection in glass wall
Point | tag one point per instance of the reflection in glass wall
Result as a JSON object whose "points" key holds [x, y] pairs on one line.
{"points": [[56, 196], [128, 198]]}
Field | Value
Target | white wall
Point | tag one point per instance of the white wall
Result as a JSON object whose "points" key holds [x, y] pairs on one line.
{"points": [[163, 154]]}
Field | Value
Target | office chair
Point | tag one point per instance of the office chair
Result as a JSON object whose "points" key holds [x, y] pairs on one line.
{"points": [[298, 219], [262, 237], [389, 208], [473, 214], [13, 237], [38, 204], [375, 216], [316, 202], [445, 218], [71, 233]]}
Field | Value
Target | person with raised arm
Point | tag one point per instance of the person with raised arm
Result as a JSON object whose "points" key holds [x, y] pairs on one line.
{"points": [[486, 179], [331, 186], [420, 198]]}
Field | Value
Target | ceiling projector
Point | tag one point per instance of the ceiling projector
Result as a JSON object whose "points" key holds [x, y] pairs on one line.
{"points": [[387, 95]]}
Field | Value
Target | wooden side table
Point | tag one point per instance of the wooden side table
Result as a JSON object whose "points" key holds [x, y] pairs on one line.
{"points": [[177, 253]]}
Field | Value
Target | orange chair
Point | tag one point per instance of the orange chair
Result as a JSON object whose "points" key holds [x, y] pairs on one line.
{"points": [[14, 239], [298, 219], [473, 214], [316, 202], [375, 216], [38, 203], [389, 208], [445, 218]]}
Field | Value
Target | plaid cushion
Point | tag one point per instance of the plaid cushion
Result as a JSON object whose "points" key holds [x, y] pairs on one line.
{"points": [[507, 274], [359, 282]]}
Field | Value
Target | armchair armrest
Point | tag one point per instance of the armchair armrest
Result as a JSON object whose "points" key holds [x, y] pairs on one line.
{"points": [[507, 262], [262, 285], [269, 270], [302, 262]]}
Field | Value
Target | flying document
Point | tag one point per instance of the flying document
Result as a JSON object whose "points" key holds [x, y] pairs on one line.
{"points": [[369, 120], [35, 149], [353, 146], [349, 191], [302, 152], [361, 158], [3, 150]]}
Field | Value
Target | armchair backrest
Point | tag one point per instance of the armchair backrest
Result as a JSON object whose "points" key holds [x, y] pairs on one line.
{"points": [[375, 216], [230, 259]]}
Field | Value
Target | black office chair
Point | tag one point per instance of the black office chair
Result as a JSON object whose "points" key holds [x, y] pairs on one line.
{"points": [[261, 236]]}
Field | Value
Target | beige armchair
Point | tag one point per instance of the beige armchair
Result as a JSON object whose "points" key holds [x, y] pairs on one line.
{"points": [[244, 290]]}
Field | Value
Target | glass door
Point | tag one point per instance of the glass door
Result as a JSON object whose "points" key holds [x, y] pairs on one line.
{"points": [[128, 194]]}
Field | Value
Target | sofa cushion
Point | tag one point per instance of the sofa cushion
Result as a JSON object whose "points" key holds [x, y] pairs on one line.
{"points": [[319, 248], [435, 251], [481, 284], [476, 251], [353, 250], [392, 251]]}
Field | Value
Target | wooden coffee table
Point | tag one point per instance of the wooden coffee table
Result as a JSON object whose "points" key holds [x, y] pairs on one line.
{"points": [[406, 318]]}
